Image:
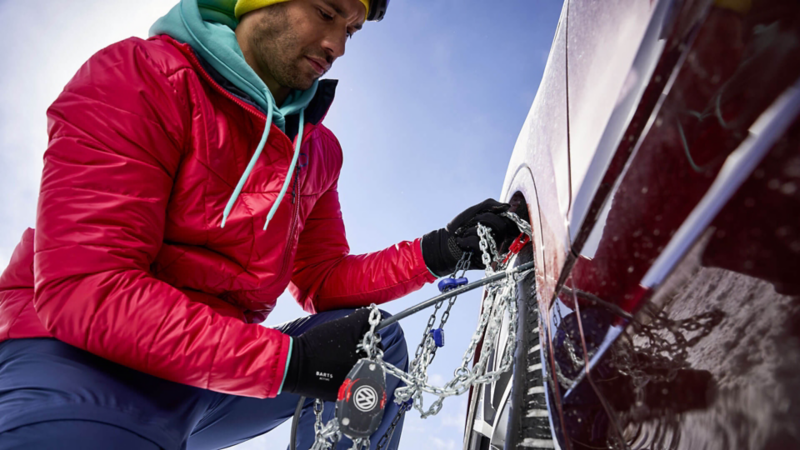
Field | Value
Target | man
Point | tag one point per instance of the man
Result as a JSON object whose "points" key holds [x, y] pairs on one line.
{"points": [[187, 182]]}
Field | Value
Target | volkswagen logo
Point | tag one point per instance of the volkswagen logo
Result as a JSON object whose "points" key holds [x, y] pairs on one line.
{"points": [[366, 398]]}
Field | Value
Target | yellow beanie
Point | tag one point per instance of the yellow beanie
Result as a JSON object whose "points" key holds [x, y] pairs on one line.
{"points": [[245, 6]]}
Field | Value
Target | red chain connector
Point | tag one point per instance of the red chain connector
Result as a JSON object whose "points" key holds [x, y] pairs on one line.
{"points": [[517, 245]]}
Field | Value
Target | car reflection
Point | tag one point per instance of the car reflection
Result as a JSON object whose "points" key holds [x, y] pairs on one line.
{"points": [[644, 376]]}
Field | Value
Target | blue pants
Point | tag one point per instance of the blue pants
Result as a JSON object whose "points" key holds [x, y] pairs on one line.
{"points": [[53, 395]]}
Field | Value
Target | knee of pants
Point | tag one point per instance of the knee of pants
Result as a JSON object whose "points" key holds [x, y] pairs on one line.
{"points": [[395, 350]]}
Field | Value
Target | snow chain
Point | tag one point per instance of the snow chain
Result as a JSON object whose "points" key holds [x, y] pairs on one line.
{"points": [[500, 297]]}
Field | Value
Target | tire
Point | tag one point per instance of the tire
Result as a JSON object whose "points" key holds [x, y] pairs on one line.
{"points": [[529, 420], [521, 418]]}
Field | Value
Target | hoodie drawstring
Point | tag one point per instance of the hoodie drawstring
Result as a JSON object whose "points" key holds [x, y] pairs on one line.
{"points": [[298, 142], [252, 163]]}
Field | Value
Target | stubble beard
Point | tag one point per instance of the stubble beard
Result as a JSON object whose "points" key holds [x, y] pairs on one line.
{"points": [[278, 52]]}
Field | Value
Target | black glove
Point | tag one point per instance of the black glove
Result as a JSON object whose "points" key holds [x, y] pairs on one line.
{"points": [[322, 356], [443, 248]]}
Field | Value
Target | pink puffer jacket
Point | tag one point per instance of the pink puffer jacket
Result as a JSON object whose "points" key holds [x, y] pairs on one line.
{"points": [[128, 260]]}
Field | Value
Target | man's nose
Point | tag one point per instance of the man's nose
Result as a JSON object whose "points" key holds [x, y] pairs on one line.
{"points": [[334, 44]]}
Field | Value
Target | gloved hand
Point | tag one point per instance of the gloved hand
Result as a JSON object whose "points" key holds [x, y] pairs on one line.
{"points": [[443, 248], [322, 356]]}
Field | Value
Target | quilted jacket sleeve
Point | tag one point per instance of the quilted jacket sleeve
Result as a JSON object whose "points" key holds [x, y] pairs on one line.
{"points": [[327, 277], [116, 137]]}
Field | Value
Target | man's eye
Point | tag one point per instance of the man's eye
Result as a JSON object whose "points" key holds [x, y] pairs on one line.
{"points": [[325, 15]]}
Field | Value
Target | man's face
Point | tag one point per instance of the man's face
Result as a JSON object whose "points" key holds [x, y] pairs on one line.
{"points": [[291, 44]]}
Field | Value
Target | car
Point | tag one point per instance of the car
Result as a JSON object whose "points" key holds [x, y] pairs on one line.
{"points": [[659, 167]]}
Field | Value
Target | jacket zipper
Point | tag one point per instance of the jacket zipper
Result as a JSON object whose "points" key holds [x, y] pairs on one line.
{"points": [[294, 186], [295, 214], [259, 114]]}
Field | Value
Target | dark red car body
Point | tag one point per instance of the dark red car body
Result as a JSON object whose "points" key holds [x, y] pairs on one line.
{"points": [[660, 168]]}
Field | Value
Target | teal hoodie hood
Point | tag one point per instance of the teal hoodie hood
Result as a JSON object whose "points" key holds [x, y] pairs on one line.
{"points": [[208, 27]]}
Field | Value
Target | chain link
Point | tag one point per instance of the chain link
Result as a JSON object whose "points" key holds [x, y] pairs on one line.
{"points": [[325, 436], [523, 226], [500, 301], [463, 267], [369, 344], [360, 444], [318, 407]]}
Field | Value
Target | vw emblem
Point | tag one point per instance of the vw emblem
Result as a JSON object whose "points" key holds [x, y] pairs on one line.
{"points": [[366, 398]]}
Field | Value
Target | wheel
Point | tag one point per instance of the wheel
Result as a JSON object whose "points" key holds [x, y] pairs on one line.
{"points": [[512, 412]]}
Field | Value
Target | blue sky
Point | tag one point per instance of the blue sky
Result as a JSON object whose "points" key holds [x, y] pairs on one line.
{"points": [[429, 105]]}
